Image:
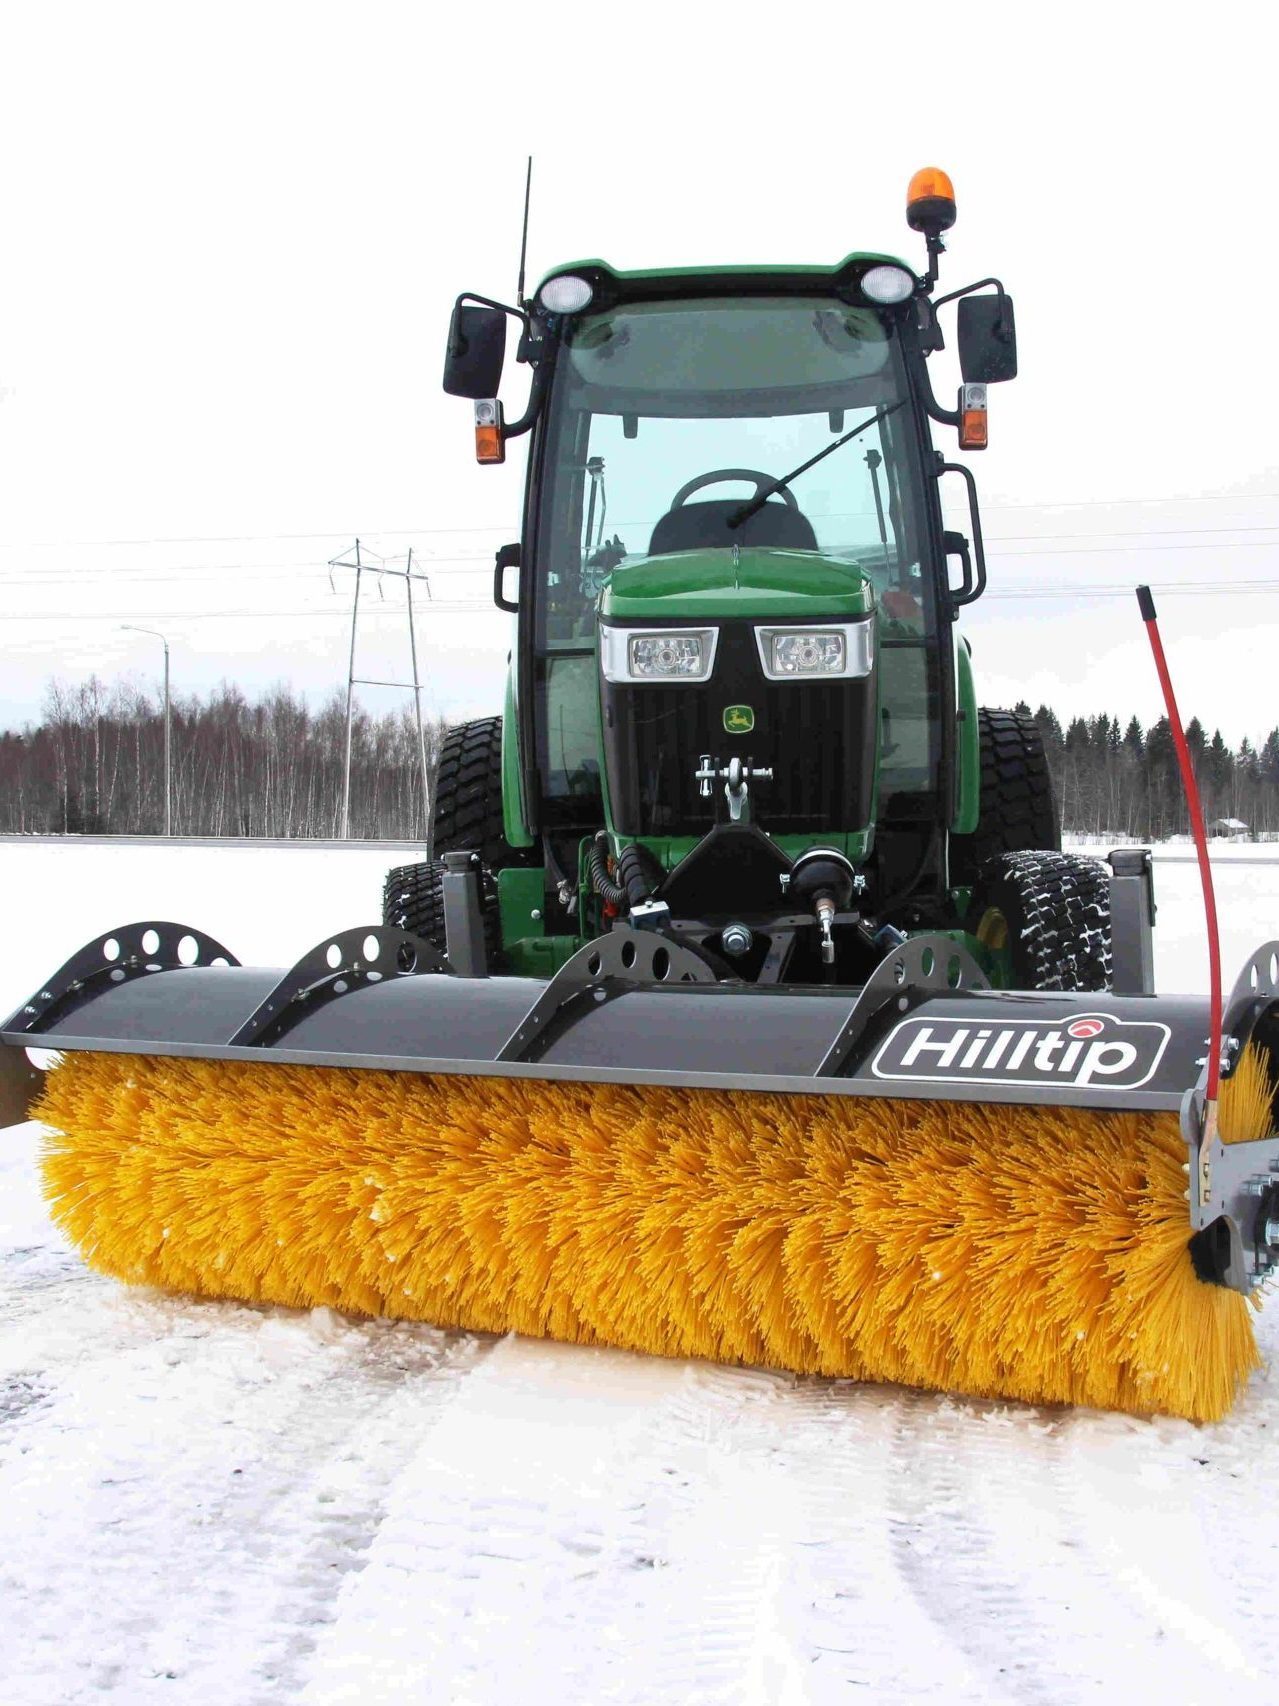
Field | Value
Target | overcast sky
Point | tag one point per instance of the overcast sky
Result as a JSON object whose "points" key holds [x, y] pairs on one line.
{"points": [[232, 235]]}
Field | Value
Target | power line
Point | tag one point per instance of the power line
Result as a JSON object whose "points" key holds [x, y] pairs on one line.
{"points": [[218, 572], [242, 538], [498, 526], [446, 566], [450, 608], [1075, 590]]}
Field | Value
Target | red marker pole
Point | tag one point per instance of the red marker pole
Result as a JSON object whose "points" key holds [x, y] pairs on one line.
{"points": [[1191, 788]]}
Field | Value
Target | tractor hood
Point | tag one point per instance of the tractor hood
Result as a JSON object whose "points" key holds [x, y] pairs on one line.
{"points": [[723, 583]]}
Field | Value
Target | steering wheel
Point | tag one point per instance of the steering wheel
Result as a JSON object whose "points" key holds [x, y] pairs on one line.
{"points": [[760, 481]]}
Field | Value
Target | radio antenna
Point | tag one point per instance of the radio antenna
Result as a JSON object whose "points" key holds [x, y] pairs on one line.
{"points": [[528, 187]]}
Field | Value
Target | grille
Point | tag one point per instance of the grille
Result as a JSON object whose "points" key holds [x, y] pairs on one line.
{"points": [[817, 737]]}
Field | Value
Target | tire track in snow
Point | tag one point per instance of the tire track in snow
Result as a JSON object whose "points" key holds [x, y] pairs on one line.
{"points": [[945, 1463], [1231, 1476], [511, 1550], [1165, 1516], [818, 1608], [1070, 1552], [586, 1526], [1031, 1589], [185, 1484]]}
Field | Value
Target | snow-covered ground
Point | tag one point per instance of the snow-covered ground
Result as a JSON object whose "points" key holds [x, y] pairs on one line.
{"points": [[209, 1503]]}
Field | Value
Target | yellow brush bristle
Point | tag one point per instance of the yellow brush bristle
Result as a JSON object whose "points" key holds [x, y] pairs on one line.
{"points": [[1245, 1108], [1034, 1253]]}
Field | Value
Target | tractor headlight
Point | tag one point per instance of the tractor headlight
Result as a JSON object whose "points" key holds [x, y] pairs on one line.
{"points": [[657, 654], [839, 652]]}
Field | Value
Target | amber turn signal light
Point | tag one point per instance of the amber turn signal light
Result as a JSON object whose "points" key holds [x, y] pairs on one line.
{"points": [[930, 201], [490, 443], [972, 417]]}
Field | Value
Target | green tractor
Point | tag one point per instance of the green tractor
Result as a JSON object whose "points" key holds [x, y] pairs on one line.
{"points": [[739, 713]]}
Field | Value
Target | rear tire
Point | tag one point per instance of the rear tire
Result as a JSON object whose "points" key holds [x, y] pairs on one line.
{"points": [[466, 809], [1017, 813], [413, 900], [1050, 913], [466, 817]]}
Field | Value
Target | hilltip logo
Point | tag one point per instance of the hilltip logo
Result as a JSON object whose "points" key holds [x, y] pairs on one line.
{"points": [[1093, 1050]]}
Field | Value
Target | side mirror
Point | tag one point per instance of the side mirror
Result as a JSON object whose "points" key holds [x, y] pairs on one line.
{"points": [[476, 351], [987, 339]]}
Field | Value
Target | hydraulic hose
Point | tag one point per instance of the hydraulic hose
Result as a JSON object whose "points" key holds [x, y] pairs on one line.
{"points": [[613, 894], [637, 874]]}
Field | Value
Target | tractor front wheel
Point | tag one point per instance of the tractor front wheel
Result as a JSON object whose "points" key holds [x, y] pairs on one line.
{"points": [[1046, 916], [413, 900]]}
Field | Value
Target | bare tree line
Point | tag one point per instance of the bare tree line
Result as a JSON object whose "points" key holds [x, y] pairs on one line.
{"points": [[271, 766], [1122, 780], [94, 764]]}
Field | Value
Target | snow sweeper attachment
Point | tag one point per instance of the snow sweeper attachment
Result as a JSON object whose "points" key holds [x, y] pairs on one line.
{"points": [[747, 1007], [923, 1180]]}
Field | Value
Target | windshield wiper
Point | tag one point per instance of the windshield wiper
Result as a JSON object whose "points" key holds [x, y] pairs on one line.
{"points": [[761, 498]]}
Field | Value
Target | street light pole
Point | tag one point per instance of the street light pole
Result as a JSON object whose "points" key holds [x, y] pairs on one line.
{"points": [[168, 725]]}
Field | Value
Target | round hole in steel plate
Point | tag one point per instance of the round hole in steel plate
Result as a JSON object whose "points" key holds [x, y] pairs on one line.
{"points": [[406, 957], [117, 976], [188, 951], [150, 941], [372, 947], [955, 971], [661, 964], [373, 976], [927, 960], [340, 986], [111, 949], [628, 954], [220, 961], [333, 955], [1274, 968], [593, 965], [899, 971]]}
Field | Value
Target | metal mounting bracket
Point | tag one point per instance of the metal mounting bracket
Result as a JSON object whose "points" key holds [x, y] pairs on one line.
{"points": [[621, 960], [339, 964], [1132, 917], [463, 914], [1234, 1187], [119, 956], [20, 1083], [920, 966]]}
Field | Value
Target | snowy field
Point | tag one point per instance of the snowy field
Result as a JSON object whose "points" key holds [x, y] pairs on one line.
{"points": [[209, 1503]]}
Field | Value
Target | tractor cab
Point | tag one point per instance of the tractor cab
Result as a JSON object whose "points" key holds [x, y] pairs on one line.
{"points": [[730, 500], [736, 593]]}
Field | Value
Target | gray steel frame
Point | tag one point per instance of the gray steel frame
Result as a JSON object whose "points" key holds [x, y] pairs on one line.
{"points": [[1234, 1187]]}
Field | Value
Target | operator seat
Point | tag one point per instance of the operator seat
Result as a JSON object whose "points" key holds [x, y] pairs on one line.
{"points": [[698, 526]]}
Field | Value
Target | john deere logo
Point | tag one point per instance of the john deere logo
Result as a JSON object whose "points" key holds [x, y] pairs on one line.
{"points": [[739, 719]]}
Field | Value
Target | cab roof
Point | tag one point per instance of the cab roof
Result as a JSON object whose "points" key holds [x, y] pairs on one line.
{"points": [[654, 283]]}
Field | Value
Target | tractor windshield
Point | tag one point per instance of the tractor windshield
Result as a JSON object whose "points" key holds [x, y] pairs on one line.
{"points": [[666, 418]]}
